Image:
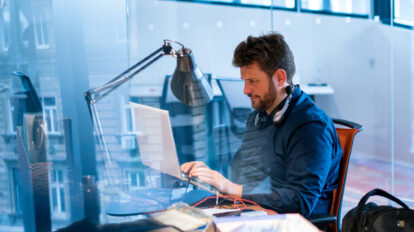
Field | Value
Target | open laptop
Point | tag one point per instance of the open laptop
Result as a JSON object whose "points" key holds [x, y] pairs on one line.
{"points": [[156, 143]]}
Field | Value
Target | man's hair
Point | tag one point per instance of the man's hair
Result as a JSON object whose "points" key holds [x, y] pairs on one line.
{"points": [[270, 51]]}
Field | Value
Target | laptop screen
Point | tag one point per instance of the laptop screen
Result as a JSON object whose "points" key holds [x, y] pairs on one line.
{"points": [[155, 139]]}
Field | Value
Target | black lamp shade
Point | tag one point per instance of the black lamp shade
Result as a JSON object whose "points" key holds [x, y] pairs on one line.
{"points": [[188, 83]]}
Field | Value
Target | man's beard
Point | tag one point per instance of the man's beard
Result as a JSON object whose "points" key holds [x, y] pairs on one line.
{"points": [[268, 99]]}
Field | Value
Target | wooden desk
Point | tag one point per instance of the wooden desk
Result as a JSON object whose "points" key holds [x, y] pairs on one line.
{"points": [[317, 90]]}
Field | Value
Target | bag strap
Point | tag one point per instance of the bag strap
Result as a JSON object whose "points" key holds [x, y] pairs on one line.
{"points": [[379, 192]]}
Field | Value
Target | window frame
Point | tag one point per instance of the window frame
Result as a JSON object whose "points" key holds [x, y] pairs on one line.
{"points": [[400, 23], [326, 12], [239, 4], [40, 23], [128, 130], [332, 13], [4, 46], [60, 186], [14, 190], [53, 116], [127, 122], [11, 124], [4, 27], [128, 175]]}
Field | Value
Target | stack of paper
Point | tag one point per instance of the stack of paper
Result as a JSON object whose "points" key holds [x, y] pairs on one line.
{"points": [[182, 217], [278, 223]]}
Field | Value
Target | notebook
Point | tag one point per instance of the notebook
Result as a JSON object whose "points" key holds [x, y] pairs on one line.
{"points": [[156, 143]]}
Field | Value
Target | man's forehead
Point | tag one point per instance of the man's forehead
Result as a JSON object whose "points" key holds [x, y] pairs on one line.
{"points": [[249, 72]]}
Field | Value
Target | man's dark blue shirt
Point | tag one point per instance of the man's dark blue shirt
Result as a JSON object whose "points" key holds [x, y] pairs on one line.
{"points": [[291, 166]]}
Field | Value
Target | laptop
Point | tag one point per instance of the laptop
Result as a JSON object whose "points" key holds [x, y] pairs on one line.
{"points": [[156, 143]]}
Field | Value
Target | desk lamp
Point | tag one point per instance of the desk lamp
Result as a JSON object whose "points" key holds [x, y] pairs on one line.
{"points": [[188, 84]]}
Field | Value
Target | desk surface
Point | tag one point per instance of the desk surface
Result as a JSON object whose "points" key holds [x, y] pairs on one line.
{"points": [[317, 90]]}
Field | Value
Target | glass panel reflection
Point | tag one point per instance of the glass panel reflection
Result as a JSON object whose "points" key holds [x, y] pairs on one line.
{"points": [[111, 36]]}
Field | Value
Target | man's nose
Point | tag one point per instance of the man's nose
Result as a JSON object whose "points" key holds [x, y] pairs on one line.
{"points": [[246, 89]]}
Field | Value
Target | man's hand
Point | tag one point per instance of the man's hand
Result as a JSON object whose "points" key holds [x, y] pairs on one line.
{"points": [[187, 167], [205, 174]]}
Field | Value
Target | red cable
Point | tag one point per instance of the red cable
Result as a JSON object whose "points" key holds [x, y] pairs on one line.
{"points": [[235, 199]]}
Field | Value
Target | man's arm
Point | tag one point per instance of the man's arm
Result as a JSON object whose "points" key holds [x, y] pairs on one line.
{"points": [[205, 174]]}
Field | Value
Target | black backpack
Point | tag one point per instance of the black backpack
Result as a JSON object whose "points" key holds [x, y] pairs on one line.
{"points": [[371, 217]]}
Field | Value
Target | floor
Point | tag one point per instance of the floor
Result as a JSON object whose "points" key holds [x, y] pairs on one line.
{"points": [[365, 174]]}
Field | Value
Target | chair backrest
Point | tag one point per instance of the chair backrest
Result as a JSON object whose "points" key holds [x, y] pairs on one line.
{"points": [[346, 133]]}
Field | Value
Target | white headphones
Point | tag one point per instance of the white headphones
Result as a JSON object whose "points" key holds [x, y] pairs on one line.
{"points": [[279, 115]]}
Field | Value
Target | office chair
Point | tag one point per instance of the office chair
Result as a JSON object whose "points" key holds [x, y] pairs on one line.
{"points": [[346, 133]]}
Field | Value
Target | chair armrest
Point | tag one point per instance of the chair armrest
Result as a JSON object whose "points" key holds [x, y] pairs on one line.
{"points": [[322, 220]]}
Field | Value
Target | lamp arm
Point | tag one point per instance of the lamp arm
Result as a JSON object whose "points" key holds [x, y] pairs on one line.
{"points": [[94, 95]]}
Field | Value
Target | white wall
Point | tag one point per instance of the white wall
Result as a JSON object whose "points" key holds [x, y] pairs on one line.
{"points": [[358, 57]]}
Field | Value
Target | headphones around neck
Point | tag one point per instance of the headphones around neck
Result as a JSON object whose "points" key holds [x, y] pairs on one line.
{"points": [[277, 119]]}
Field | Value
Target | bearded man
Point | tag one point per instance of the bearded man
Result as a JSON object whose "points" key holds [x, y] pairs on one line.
{"points": [[290, 155]]}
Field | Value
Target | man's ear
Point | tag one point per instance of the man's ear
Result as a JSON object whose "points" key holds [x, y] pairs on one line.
{"points": [[279, 77]]}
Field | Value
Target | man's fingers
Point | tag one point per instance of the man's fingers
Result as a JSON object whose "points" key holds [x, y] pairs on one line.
{"points": [[197, 171], [200, 173], [200, 164], [186, 167]]}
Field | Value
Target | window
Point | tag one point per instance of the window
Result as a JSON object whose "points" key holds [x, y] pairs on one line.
{"points": [[254, 3], [128, 124], [15, 191], [41, 30], [280, 3], [50, 115], [17, 107], [57, 187], [4, 37], [4, 29], [220, 114], [404, 12], [128, 138], [134, 179], [228, 1], [352, 7]]}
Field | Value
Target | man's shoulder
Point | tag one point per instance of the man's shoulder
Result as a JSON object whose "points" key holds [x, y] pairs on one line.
{"points": [[307, 120], [306, 111]]}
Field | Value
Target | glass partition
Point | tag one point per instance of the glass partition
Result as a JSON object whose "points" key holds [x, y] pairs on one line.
{"points": [[67, 48], [402, 73]]}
